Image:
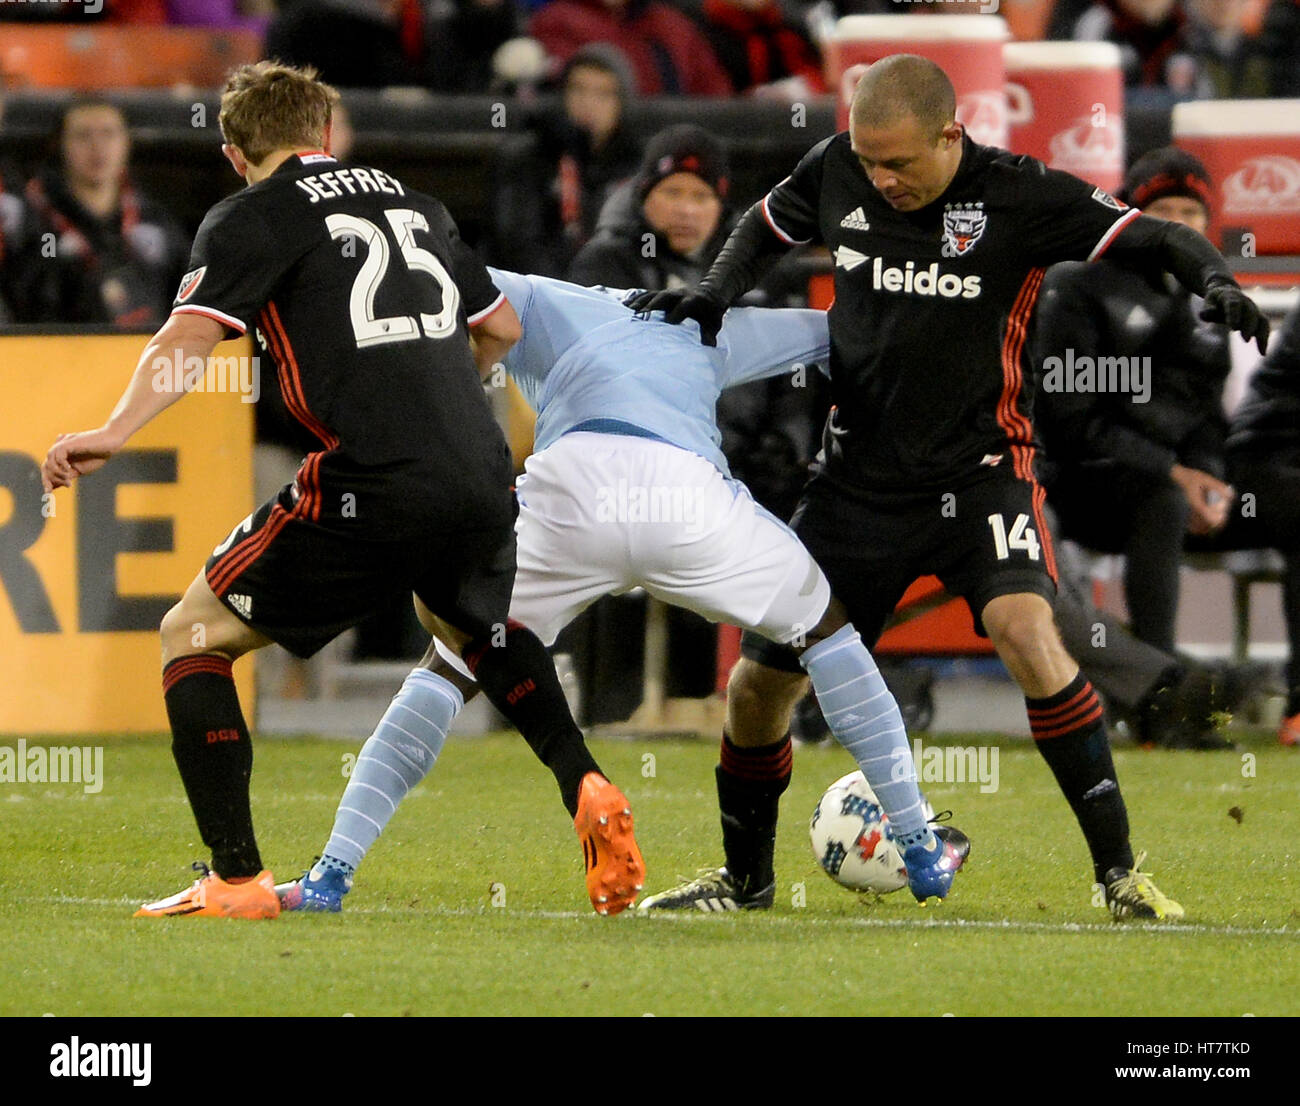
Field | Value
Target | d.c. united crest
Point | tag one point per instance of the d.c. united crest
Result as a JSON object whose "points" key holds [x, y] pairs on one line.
{"points": [[962, 226]]}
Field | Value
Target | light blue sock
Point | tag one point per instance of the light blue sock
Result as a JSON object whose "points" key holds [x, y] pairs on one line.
{"points": [[397, 756], [865, 719]]}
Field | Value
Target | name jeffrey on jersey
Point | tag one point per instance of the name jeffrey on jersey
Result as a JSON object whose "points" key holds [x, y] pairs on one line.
{"points": [[909, 279]]}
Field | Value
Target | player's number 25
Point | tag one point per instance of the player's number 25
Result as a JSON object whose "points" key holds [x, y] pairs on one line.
{"points": [[1021, 537], [371, 331]]}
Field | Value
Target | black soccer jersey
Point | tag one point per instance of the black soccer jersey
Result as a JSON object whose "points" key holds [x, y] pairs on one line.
{"points": [[361, 292], [932, 307]]}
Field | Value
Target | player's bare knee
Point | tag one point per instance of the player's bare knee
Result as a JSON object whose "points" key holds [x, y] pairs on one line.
{"points": [[1026, 632]]}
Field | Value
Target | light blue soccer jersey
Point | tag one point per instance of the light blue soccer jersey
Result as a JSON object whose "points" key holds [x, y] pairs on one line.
{"points": [[585, 357]]}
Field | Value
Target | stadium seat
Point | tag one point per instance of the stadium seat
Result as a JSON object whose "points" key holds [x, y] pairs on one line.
{"points": [[1245, 567], [121, 57]]}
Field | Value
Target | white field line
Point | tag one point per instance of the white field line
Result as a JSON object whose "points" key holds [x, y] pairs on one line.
{"points": [[698, 917]]}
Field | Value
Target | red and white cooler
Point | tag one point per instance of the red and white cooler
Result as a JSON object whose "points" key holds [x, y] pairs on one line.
{"points": [[1252, 150], [1065, 106], [966, 47]]}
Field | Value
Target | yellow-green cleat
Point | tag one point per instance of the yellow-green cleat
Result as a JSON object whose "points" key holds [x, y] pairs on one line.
{"points": [[1132, 894]]}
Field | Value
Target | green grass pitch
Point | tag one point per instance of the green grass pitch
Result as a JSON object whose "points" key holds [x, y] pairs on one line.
{"points": [[473, 901]]}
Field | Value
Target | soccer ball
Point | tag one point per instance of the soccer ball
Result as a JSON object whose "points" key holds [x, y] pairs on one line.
{"points": [[852, 839]]}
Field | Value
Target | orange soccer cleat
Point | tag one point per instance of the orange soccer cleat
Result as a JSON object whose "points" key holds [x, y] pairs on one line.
{"points": [[615, 870], [212, 897], [1289, 734]]}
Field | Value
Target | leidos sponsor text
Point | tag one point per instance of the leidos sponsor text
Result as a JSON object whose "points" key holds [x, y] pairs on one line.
{"points": [[928, 281], [91, 1060], [83, 764]]}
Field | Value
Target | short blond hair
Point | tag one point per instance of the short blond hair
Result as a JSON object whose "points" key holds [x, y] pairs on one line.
{"points": [[268, 106]]}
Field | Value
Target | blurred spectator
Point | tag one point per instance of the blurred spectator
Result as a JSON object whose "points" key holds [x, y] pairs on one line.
{"points": [[1136, 460], [220, 14], [1264, 467], [549, 208], [100, 252], [1280, 42], [353, 43], [760, 45], [445, 45], [14, 227], [667, 52], [1223, 36], [136, 11], [1151, 38], [461, 37], [664, 227]]}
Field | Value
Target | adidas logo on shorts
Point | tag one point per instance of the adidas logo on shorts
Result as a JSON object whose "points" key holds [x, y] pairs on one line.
{"points": [[855, 220], [242, 603]]}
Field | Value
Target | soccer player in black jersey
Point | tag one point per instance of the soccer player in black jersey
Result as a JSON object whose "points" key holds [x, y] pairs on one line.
{"points": [[939, 249], [379, 321]]}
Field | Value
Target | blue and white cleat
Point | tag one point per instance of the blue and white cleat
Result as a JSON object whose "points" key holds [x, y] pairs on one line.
{"points": [[930, 872], [317, 890]]}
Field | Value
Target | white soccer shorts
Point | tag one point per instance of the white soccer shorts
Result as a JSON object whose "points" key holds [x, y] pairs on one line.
{"points": [[601, 514]]}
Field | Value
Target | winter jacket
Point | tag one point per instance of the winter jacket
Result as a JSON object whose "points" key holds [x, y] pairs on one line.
{"points": [[625, 252], [1103, 310], [122, 270], [1267, 421]]}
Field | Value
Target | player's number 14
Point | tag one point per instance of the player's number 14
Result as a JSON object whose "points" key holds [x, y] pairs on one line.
{"points": [[372, 331], [1021, 537]]}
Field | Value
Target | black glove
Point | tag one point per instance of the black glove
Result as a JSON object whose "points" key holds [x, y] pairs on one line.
{"points": [[1226, 303], [705, 308], [640, 301]]}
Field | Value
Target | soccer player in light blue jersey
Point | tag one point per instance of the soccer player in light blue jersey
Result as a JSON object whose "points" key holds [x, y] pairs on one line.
{"points": [[628, 488]]}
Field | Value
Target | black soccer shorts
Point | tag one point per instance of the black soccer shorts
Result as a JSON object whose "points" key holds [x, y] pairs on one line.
{"points": [[301, 583], [983, 539]]}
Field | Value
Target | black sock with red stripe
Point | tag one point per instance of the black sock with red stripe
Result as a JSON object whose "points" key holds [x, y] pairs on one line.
{"points": [[215, 756], [750, 785], [518, 677], [1070, 732]]}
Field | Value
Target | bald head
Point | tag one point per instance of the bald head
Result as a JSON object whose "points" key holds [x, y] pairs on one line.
{"points": [[900, 86]]}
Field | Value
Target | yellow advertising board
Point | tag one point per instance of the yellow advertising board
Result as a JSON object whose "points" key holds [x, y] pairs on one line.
{"points": [[87, 574]]}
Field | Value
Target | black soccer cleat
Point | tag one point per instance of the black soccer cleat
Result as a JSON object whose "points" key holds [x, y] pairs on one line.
{"points": [[714, 891]]}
